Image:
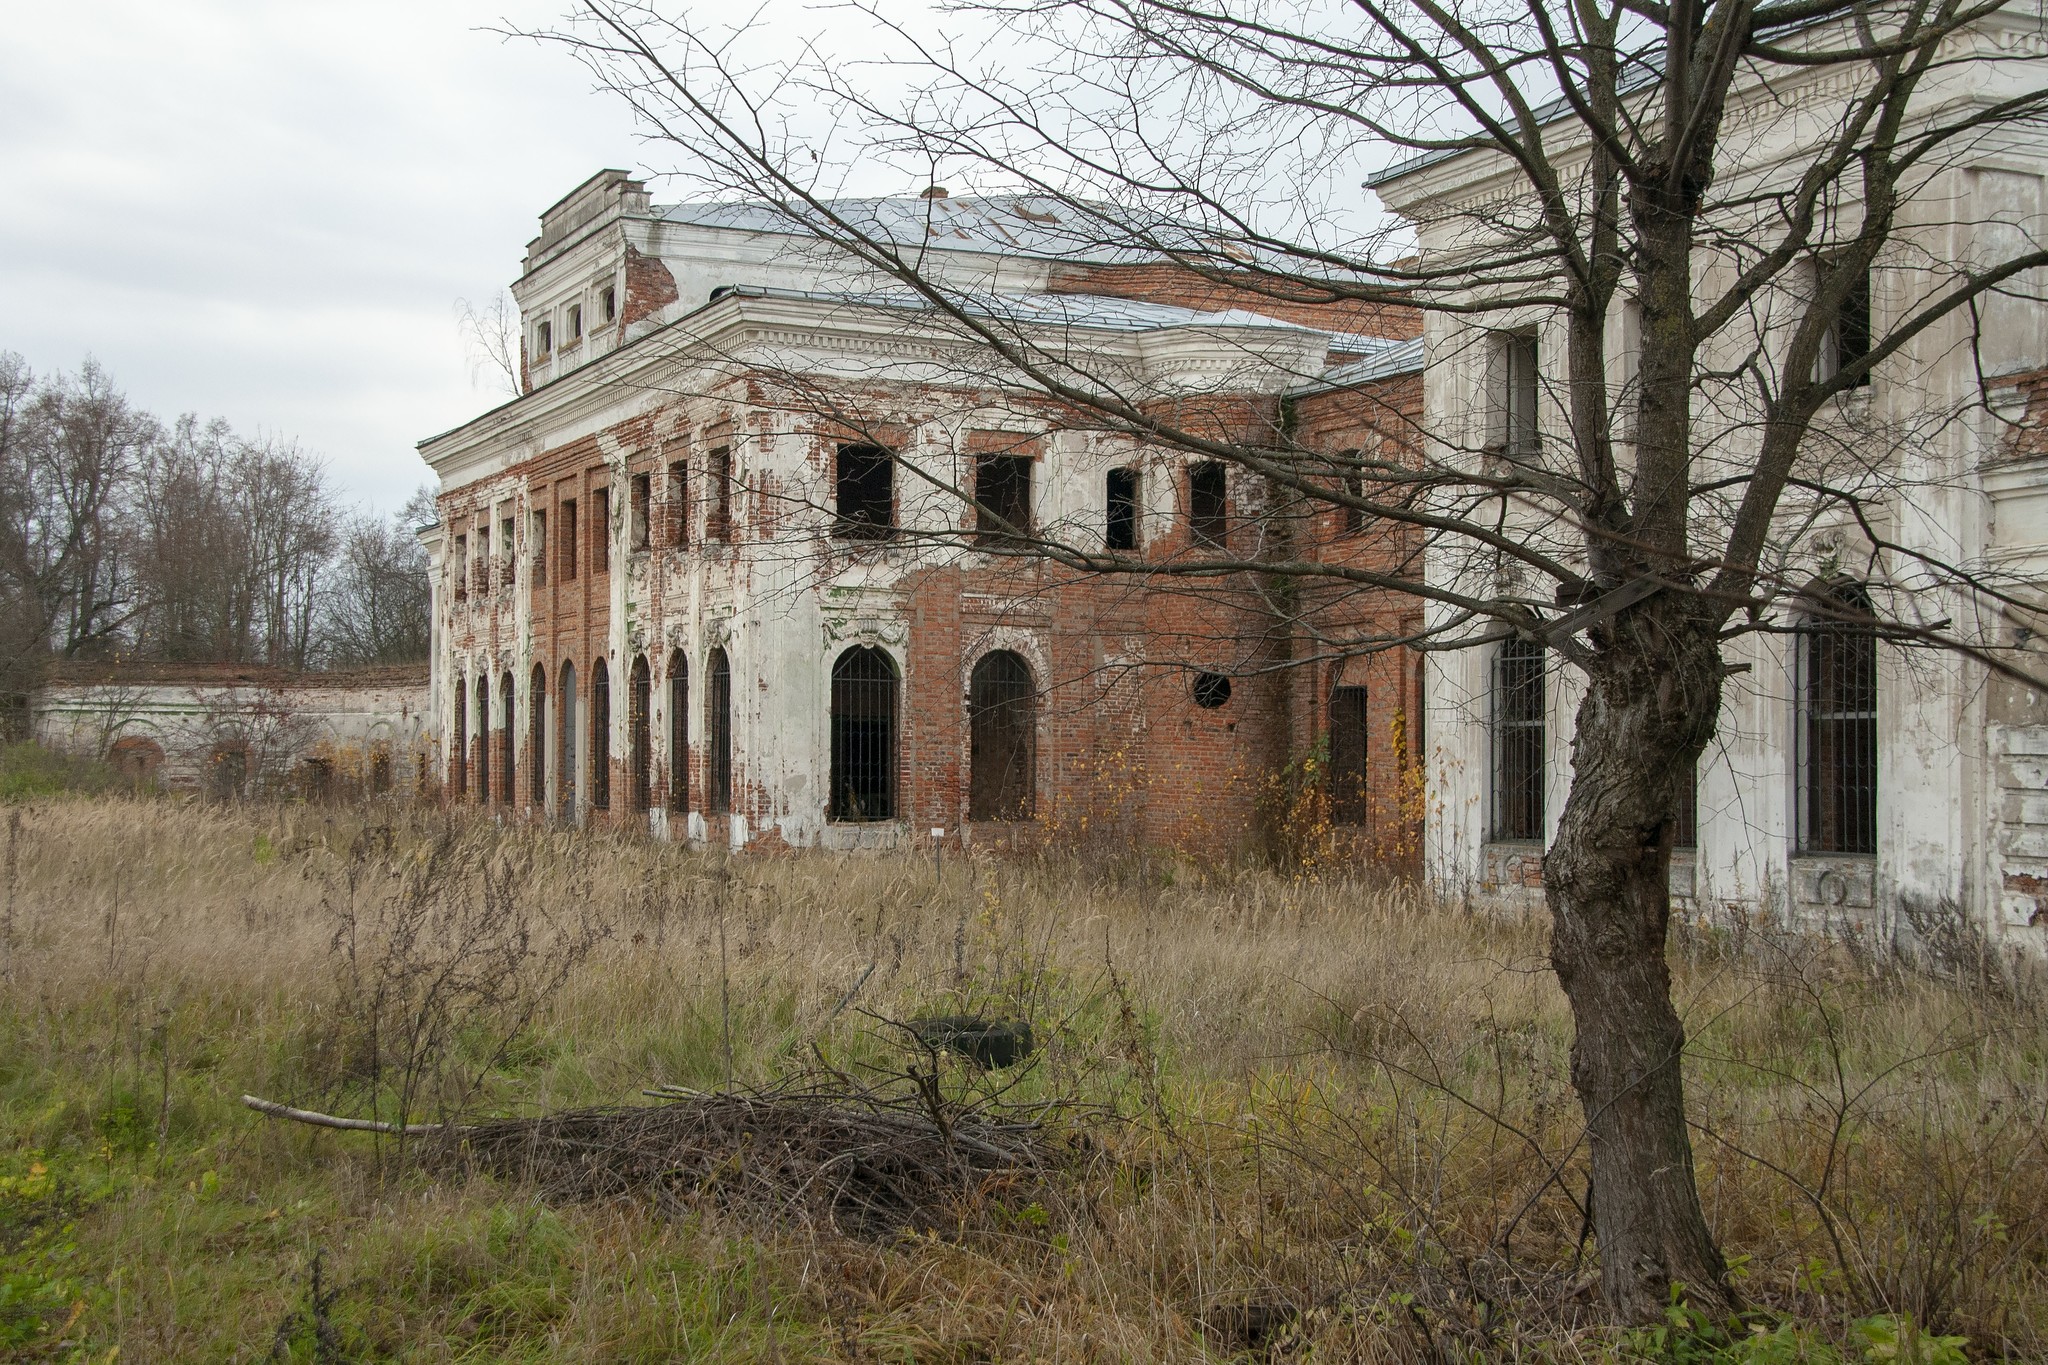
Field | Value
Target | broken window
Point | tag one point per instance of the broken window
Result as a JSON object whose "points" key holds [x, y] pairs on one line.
{"points": [[1518, 741], [640, 721], [459, 567], [863, 735], [569, 532], [1001, 730], [1208, 502], [678, 731], [718, 520], [600, 736], [1002, 497], [866, 488], [1348, 735], [1122, 529], [643, 506], [537, 544], [537, 739], [458, 752], [508, 567], [600, 530], [566, 729], [678, 503], [718, 715], [1837, 733]]}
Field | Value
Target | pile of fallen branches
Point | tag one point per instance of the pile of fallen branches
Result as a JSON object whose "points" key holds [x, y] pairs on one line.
{"points": [[870, 1161]]}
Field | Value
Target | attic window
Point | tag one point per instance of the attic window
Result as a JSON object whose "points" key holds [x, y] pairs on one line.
{"points": [[608, 304], [575, 322], [544, 338]]}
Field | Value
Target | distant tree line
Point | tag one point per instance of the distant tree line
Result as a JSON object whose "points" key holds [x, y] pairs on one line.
{"points": [[124, 536]]}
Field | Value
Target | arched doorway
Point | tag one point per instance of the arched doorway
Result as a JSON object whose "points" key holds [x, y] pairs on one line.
{"points": [[864, 740], [1002, 724]]}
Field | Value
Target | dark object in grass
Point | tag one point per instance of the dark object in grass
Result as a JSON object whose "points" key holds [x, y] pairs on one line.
{"points": [[991, 1043]]}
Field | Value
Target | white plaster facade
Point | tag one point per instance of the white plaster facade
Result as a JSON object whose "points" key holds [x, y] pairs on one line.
{"points": [[1962, 764]]}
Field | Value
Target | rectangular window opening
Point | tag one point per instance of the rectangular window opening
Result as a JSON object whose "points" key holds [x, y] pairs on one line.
{"points": [[537, 547], [1121, 487], [1002, 497], [569, 534], [1685, 816], [1518, 741], [544, 338], [459, 568], [643, 506], [1208, 503], [508, 566], [1352, 518], [600, 530], [1848, 338], [866, 489], [678, 504], [1837, 733], [718, 520], [1520, 427], [1349, 729]]}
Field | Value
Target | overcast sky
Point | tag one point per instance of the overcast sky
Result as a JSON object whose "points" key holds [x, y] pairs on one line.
{"points": [[267, 211]]}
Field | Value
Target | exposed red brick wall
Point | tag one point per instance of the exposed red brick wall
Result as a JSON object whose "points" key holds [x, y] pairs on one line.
{"points": [[1290, 301], [649, 288]]}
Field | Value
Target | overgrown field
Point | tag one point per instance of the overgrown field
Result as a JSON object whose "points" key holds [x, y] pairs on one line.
{"points": [[1283, 1118]]}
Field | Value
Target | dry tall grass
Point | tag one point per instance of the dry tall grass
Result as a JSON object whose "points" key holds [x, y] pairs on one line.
{"points": [[1316, 1117]]}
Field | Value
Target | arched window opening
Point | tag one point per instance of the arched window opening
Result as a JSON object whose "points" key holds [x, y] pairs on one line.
{"points": [[678, 731], [718, 774], [537, 739], [136, 760], [1518, 741], [639, 707], [600, 737], [863, 735], [483, 741], [566, 730], [458, 751], [508, 734], [1837, 739], [1002, 723], [1348, 734]]}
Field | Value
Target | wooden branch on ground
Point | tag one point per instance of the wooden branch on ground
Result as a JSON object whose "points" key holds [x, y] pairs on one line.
{"points": [[285, 1111]]}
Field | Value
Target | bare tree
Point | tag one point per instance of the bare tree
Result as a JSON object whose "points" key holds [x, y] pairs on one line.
{"points": [[490, 338], [1711, 179], [378, 600]]}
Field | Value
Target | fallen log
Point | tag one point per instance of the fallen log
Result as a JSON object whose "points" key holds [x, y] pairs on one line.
{"points": [[318, 1120]]}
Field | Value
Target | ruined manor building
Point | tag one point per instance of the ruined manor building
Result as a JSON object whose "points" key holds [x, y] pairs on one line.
{"points": [[752, 558]]}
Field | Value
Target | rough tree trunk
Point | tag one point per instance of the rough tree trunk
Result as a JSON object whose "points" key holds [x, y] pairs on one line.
{"points": [[1643, 722]]}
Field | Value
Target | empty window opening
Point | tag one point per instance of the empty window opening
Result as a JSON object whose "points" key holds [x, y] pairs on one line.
{"points": [[459, 566], [566, 728], [678, 503], [569, 533], [508, 734], [718, 715], [458, 752], [866, 493], [1848, 338], [537, 545], [608, 304], [600, 736], [1122, 491], [136, 760], [640, 730], [544, 338], [227, 770], [1208, 503], [718, 520], [508, 567], [863, 735], [1685, 814], [1002, 496], [1351, 518], [575, 322], [1002, 704], [643, 507], [380, 769], [1517, 397], [1348, 733], [1518, 741], [1210, 690], [678, 732], [537, 739], [1838, 726], [484, 793], [600, 530]]}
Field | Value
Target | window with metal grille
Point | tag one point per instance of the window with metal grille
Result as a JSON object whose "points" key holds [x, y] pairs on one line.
{"points": [[1685, 815], [1208, 503], [458, 756], [1121, 490], [718, 715], [1518, 393], [537, 545], [1002, 725], [678, 503], [507, 734], [569, 550], [600, 737], [640, 718], [678, 731], [1838, 726], [866, 490], [537, 739], [1348, 732], [566, 729], [863, 735], [1518, 741], [642, 509], [483, 742], [600, 530], [1002, 498], [718, 519]]}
